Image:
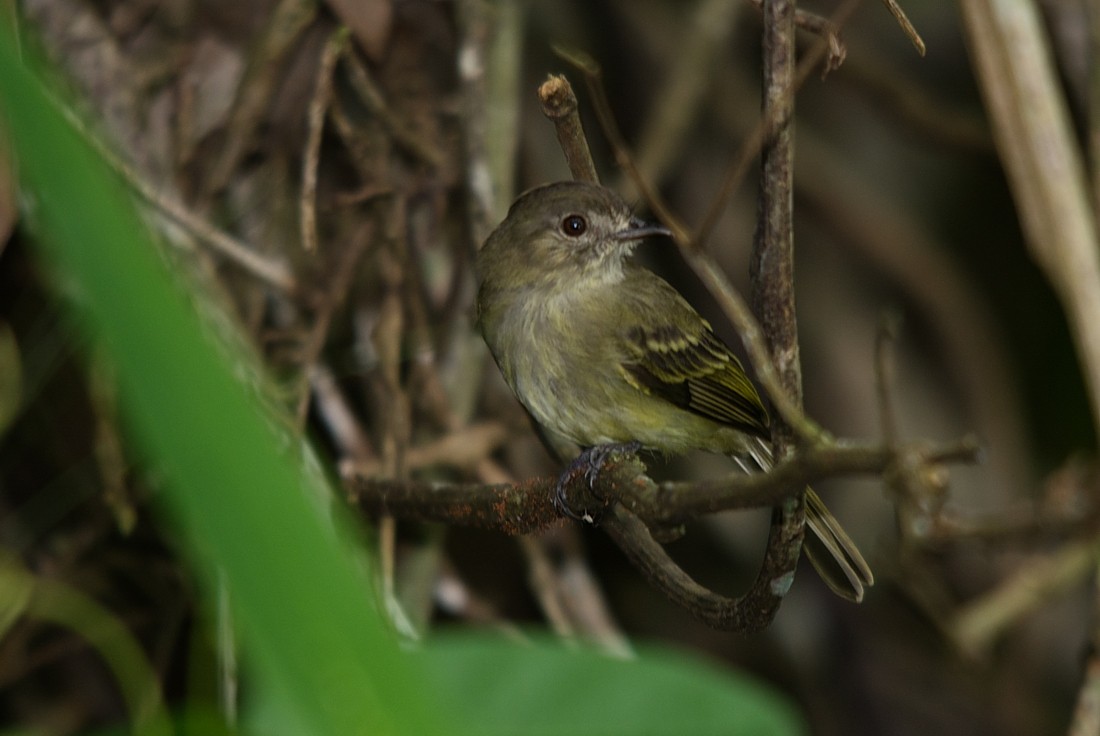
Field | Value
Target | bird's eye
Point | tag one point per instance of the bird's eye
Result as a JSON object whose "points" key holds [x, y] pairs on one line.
{"points": [[574, 226]]}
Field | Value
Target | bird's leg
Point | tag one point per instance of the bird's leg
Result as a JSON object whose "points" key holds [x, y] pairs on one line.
{"points": [[592, 460]]}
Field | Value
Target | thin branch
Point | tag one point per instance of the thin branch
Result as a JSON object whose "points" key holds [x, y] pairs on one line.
{"points": [[462, 448], [330, 302], [273, 272], [402, 135], [906, 26], [632, 508], [750, 613], [287, 21], [764, 130], [318, 107], [559, 104], [526, 506], [771, 272], [979, 622], [819, 26]]}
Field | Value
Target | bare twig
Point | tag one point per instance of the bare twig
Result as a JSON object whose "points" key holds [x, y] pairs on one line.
{"points": [[820, 26], [629, 505], [752, 612], [524, 506], [318, 107], [288, 21], [463, 448], [331, 300], [559, 104], [739, 167], [403, 135], [772, 274], [680, 99], [978, 623], [906, 26], [274, 272]]}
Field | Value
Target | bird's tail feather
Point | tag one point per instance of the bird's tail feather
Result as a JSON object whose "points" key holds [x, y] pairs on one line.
{"points": [[831, 551]]}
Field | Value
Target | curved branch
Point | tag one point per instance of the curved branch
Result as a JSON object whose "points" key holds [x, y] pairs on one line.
{"points": [[751, 612], [520, 508], [632, 509]]}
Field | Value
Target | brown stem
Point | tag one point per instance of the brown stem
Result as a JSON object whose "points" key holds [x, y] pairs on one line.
{"points": [[631, 508], [519, 508], [772, 275], [752, 612], [559, 104]]}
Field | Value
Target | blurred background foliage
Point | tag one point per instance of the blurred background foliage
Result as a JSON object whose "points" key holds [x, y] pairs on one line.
{"points": [[430, 127]]}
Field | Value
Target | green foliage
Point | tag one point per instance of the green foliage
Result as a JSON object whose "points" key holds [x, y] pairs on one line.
{"points": [[499, 689]]}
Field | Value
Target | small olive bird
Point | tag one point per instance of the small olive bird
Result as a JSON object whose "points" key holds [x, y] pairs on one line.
{"points": [[602, 351]]}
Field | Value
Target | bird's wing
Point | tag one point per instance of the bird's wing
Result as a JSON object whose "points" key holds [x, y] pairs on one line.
{"points": [[679, 358]]}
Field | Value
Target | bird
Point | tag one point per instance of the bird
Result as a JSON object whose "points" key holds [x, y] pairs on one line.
{"points": [[602, 351]]}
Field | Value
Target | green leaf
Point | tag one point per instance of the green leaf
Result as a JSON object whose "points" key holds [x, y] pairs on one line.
{"points": [[303, 605], [494, 687]]}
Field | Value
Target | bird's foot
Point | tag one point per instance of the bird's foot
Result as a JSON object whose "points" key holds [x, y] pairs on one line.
{"points": [[592, 460]]}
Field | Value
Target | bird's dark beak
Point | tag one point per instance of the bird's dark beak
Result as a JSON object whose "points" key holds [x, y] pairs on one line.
{"points": [[639, 229]]}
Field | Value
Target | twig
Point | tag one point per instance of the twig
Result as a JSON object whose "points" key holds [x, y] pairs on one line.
{"points": [[545, 578], [287, 22], [340, 419], [965, 331], [331, 300], [318, 107], [977, 624], [906, 26], [771, 272], [750, 613], [274, 272], [403, 135], [525, 506], [739, 167], [559, 104], [625, 500], [1067, 508], [819, 26], [676, 503], [463, 448]]}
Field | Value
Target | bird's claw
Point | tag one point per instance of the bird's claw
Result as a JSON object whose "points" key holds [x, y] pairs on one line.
{"points": [[592, 459]]}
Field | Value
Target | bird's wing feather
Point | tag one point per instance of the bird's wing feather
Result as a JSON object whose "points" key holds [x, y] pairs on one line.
{"points": [[680, 359]]}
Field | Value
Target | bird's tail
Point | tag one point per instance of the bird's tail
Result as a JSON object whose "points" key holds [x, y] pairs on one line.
{"points": [[831, 551]]}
